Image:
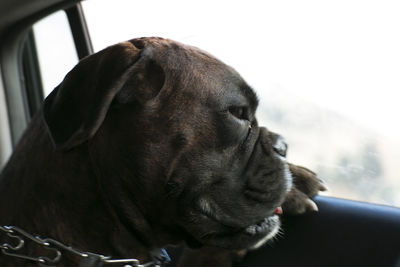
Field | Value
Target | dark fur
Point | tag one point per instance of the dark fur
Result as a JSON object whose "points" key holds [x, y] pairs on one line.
{"points": [[306, 185], [127, 146]]}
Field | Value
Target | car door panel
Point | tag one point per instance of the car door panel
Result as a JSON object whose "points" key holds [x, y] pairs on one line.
{"points": [[342, 233]]}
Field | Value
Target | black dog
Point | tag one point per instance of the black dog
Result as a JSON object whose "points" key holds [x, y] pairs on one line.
{"points": [[147, 143]]}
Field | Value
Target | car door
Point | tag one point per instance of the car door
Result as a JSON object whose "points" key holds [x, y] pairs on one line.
{"points": [[342, 233]]}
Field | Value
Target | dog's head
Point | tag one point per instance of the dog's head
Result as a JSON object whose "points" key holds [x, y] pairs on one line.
{"points": [[173, 137]]}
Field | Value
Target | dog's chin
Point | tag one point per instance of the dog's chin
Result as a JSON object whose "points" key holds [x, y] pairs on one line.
{"points": [[250, 237], [273, 231]]}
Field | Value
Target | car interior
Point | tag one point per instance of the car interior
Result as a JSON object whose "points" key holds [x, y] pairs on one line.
{"points": [[342, 233]]}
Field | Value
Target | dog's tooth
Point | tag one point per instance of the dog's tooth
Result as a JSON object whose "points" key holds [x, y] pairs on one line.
{"points": [[259, 228], [251, 230]]}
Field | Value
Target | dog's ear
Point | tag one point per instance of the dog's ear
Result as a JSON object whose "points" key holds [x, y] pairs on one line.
{"points": [[74, 111]]}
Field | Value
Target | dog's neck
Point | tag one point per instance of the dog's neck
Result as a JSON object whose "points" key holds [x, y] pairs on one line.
{"points": [[69, 207]]}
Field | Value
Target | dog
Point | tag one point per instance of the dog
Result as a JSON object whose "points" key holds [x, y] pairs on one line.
{"points": [[146, 143]]}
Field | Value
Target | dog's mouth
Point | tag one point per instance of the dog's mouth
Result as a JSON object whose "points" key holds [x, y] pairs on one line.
{"points": [[212, 231], [269, 227], [265, 225]]}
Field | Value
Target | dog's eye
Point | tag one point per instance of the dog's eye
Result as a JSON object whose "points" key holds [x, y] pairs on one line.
{"points": [[239, 112]]}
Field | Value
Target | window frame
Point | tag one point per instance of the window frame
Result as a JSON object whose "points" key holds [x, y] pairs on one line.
{"points": [[20, 72]]}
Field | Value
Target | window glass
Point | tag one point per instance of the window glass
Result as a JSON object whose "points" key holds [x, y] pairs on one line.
{"points": [[56, 49], [326, 72]]}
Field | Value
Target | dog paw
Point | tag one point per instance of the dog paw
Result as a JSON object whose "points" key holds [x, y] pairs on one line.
{"points": [[306, 185]]}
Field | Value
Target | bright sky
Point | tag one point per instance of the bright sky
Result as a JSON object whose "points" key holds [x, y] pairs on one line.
{"points": [[343, 55]]}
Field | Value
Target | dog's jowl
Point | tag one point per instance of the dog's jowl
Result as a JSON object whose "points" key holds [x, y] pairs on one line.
{"points": [[147, 143]]}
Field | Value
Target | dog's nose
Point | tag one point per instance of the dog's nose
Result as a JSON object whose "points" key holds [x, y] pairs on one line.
{"points": [[273, 142], [279, 144]]}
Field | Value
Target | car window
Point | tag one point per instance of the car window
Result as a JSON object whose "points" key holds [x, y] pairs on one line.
{"points": [[326, 74], [56, 49]]}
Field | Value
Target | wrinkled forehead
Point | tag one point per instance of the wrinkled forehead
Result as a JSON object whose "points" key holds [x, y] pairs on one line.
{"points": [[208, 75], [228, 84], [236, 91]]}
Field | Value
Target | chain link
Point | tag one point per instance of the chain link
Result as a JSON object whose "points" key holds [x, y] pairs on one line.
{"points": [[19, 235], [55, 246]]}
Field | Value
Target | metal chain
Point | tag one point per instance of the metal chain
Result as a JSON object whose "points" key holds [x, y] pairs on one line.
{"points": [[20, 235]]}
